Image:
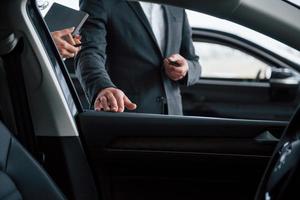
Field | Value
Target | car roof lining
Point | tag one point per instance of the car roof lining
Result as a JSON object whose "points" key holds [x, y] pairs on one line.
{"points": [[263, 16], [258, 15]]}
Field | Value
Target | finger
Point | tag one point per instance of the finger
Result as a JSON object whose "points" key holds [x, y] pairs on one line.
{"points": [[77, 41], [173, 58], [181, 62], [174, 76], [112, 102], [64, 32], [168, 66], [66, 54], [97, 105], [175, 71], [104, 103], [78, 37], [177, 77], [177, 58], [69, 38], [178, 70], [166, 61], [120, 100], [169, 72], [128, 104], [70, 48], [177, 74], [171, 63]]}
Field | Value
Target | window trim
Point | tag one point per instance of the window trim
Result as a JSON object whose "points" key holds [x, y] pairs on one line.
{"points": [[58, 65], [295, 4]]}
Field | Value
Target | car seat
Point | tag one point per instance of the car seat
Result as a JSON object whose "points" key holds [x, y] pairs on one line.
{"points": [[21, 177]]}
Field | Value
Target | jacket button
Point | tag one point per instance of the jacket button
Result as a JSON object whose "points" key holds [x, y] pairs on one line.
{"points": [[161, 99]]}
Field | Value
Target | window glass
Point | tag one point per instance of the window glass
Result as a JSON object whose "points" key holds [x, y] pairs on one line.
{"points": [[203, 21], [219, 61]]}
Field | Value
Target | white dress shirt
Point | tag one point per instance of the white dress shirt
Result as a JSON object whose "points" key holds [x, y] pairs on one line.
{"points": [[155, 15]]}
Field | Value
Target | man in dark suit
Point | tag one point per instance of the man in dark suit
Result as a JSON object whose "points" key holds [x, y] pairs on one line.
{"points": [[135, 55]]}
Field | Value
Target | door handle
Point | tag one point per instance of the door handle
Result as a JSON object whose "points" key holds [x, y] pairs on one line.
{"points": [[266, 137]]}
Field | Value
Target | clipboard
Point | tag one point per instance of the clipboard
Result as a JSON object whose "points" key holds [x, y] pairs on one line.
{"points": [[61, 17]]}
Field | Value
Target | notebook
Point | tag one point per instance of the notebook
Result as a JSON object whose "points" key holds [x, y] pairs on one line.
{"points": [[61, 17]]}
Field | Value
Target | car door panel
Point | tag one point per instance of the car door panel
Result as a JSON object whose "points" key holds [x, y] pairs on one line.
{"points": [[144, 156], [215, 98]]}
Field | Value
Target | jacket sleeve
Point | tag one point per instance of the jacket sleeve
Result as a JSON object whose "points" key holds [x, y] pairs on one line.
{"points": [[90, 63], [187, 50]]}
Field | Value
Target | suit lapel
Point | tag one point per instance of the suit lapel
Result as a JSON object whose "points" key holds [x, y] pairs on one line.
{"points": [[168, 17], [171, 26], [136, 7]]}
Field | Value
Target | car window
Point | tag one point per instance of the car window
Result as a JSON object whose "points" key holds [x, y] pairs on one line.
{"points": [[220, 61], [204, 21]]}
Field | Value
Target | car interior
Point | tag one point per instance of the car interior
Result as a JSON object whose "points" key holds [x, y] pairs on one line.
{"points": [[52, 147]]}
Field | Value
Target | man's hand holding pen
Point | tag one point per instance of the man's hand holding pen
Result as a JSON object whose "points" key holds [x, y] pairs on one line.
{"points": [[67, 44], [176, 67]]}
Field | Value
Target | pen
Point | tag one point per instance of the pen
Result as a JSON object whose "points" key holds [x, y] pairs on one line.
{"points": [[175, 63]]}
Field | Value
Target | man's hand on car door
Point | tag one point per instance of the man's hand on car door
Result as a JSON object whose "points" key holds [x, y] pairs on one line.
{"points": [[113, 100]]}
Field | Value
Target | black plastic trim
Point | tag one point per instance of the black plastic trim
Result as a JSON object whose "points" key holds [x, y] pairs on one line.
{"points": [[44, 34], [66, 162]]}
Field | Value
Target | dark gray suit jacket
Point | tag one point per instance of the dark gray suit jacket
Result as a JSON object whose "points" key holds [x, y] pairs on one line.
{"points": [[124, 54]]}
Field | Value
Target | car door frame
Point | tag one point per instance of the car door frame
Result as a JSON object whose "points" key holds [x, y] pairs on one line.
{"points": [[245, 87]]}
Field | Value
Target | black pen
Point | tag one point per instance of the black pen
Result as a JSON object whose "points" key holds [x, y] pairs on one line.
{"points": [[174, 63]]}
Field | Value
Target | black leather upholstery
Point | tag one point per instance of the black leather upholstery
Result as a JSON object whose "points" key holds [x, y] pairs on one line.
{"points": [[8, 190], [21, 177]]}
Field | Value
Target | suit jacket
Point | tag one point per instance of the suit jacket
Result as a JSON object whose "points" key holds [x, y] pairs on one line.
{"points": [[124, 54]]}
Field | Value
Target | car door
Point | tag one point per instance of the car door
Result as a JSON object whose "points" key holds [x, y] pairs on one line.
{"points": [[144, 156], [240, 79]]}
